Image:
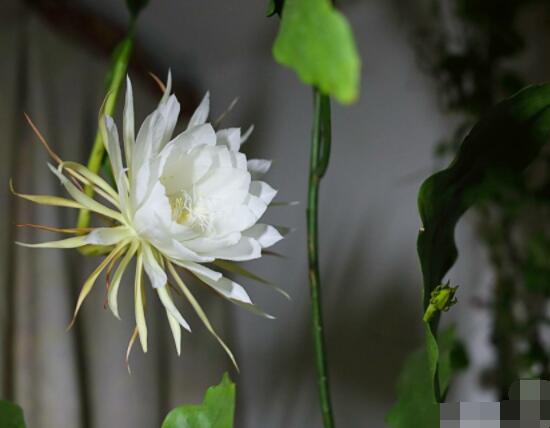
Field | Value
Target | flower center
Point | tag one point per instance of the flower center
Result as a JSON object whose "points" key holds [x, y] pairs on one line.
{"points": [[191, 209]]}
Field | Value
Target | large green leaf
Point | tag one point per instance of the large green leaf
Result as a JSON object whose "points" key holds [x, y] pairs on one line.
{"points": [[416, 406], [499, 148], [11, 415], [316, 41], [216, 411]]}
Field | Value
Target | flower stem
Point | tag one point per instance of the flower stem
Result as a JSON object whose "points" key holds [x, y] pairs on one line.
{"points": [[117, 72], [320, 153]]}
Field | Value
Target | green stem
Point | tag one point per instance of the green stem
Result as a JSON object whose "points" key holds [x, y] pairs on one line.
{"points": [[320, 152], [118, 70]]}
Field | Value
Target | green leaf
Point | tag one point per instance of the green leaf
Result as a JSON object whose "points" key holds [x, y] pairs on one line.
{"points": [[502, 144], [416, 406], [11, 415], [316, 41], [216, 411], [499, 147]]}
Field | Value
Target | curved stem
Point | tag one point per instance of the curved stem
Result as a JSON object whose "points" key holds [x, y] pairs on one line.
{"points": [[320, 152]]}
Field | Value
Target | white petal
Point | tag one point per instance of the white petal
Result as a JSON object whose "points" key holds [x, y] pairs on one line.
{"points": [[112, 294], [170, 307], [128, 122], [247, 134], [227, 288], [110, 139], [178, 251], [245, 249], [201, 113], [265, 234], [204, 245], [263, 191], [258, 167], [197, 136], [108, 235], [156, 274], [230, 137], [176, 331], [139, 307], [199, 269], [167, 89]]}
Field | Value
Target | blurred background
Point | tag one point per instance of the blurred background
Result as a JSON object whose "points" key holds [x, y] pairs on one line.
{"points": [[430, 68]]}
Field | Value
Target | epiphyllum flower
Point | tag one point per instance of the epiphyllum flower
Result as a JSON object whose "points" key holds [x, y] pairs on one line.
{"points": [[187, 201]]}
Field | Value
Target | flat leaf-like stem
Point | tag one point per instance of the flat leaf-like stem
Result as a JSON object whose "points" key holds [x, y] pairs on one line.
{"points": [[216, 411], [499, 147]]}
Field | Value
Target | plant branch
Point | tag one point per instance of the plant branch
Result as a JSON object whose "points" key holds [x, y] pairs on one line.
{"points": [[319, 157]]}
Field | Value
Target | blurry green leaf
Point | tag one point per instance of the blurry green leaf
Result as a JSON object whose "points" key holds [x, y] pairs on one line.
{"points": [[135, 6], [316, 41], [11, 415], [416, 406], [216, 411]]}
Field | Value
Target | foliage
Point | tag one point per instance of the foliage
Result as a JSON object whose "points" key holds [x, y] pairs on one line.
{"points": [[416, 406], [473, 68], [316, 41], [216, 411], [11, 415]]}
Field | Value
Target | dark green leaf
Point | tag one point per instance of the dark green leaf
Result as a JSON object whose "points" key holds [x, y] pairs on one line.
{"points": [[316, 41], [11, 415], [216, 411], [503, 143], [498, 148], [416, 406], [275, 7]]}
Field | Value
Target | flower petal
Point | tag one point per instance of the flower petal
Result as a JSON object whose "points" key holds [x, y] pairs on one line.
{"points": [[108, 235], [128, 126], [54, 201], [168, 303], [176, 331], [112, 294], [74, 242], [265, 234], [201, 113], [139, 303], [262, 190], [156, 274], [110, 138], [246, 249], [230, 137], [88, 285], [200, 312], [227, 288], [258, 167], [200, 269], [239, 270], [84, 199]]}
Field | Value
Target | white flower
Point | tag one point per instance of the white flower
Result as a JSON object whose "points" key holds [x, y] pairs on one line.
{"points": [[182, 201]]}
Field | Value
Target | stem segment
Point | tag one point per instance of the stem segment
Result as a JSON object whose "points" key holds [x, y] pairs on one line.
{"points": [[320, 153]]}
